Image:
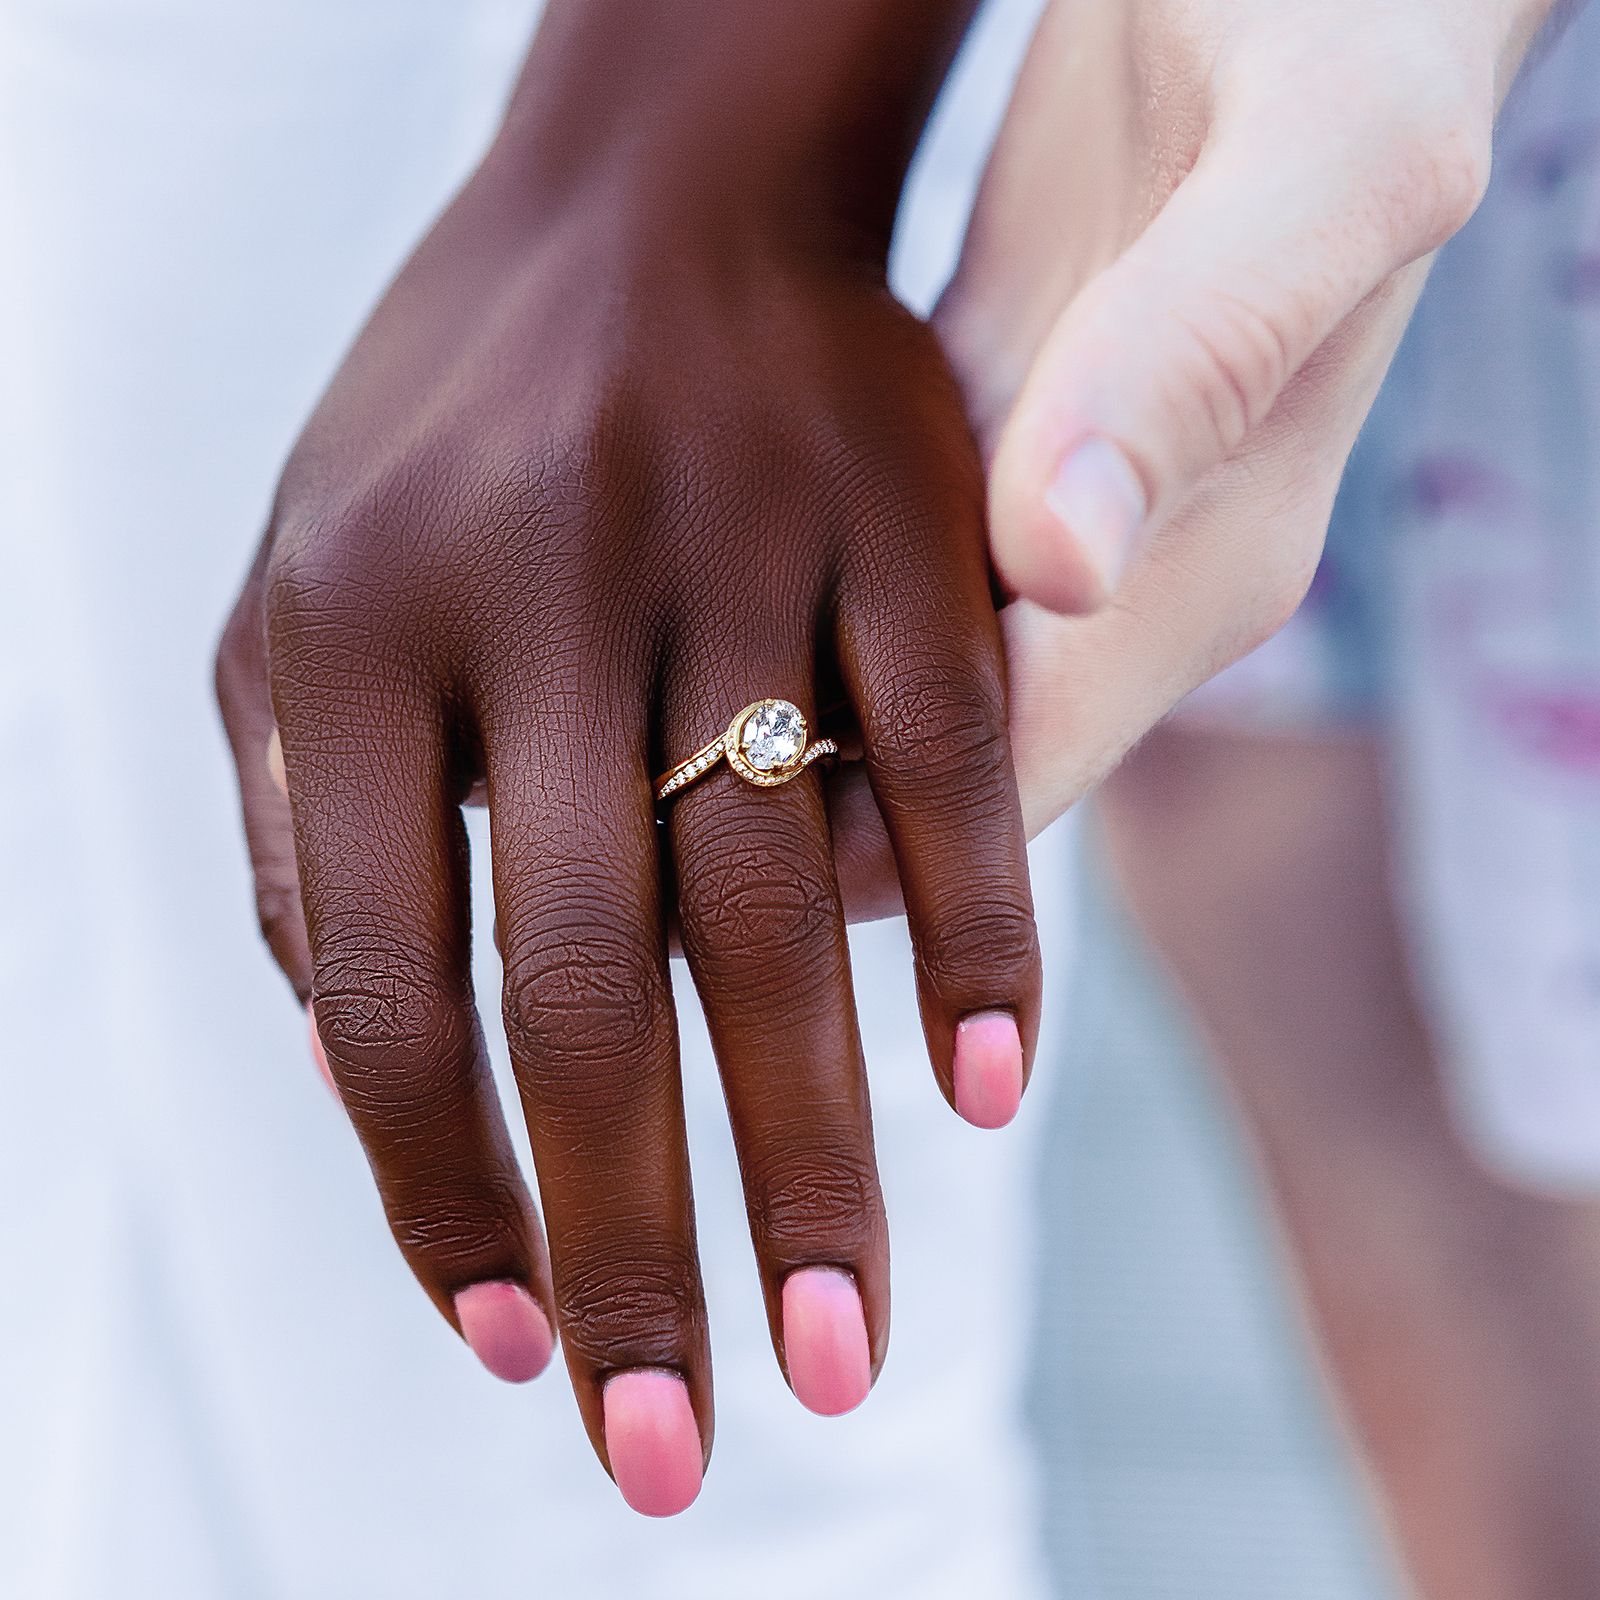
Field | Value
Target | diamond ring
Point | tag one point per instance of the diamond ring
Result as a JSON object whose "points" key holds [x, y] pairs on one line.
{"points": [[767, 744]]}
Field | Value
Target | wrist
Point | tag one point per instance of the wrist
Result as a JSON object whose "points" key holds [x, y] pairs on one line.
{"points": [[804, 118]]}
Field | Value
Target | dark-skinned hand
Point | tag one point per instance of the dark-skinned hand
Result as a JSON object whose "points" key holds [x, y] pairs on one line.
{"points": [[633, 441]]}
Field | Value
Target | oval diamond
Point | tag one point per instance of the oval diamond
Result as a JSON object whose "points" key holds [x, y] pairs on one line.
{"points": [[773, 736]]}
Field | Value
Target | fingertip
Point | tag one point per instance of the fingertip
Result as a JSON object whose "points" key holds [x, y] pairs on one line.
{"points": [[652, 1441], [825, 1341], [988, 1069], [506, 1330]]}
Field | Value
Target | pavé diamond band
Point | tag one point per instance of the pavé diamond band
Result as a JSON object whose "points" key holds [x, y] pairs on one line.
{"points": [[766, 744]]}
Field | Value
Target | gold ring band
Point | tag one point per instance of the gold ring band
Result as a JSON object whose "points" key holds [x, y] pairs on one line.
{"points": [[767, 744]]}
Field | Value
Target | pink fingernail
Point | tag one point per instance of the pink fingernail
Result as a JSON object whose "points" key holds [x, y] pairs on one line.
{"points": [[988, 1068], [1098, 498], [652, 1440], [318, 1054], [825, 1341], [506, 1330]]}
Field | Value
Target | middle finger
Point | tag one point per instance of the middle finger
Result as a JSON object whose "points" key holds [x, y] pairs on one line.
{"points": [[589, 1021]]}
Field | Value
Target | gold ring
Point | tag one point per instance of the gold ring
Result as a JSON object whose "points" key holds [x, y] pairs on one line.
{"points": [[767, 744]]}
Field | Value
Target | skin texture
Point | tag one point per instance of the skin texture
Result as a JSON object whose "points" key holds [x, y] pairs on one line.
{"points": [[1198, 242], [650, 343], [637, 437], [1237, 261], [1458, 1315]]}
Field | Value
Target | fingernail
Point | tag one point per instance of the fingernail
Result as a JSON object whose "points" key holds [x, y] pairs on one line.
{"points": [[1098, 498], [825, 1341], [318, 1054], [988, 1068], [506, 1330], [652, 1440]]}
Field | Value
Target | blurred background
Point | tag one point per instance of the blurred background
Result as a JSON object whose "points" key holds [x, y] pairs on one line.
{"points": [[1189, 1445]]}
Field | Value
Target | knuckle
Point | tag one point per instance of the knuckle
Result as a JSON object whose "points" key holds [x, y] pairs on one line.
{"points": [[459, 1231], [1275, 605], [1272, 592], [825, 1200], [1231, 361], [353, 570], [324, 613], [964, 798], [392, 1030], [621, 1311], [309, 566], [753, 909], [1437, 174], [595, 1001], [984, 950], [365, 1002], [935, 717]]}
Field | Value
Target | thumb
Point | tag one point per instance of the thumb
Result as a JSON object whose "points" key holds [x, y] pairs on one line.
{"points": [[1166, 363]]}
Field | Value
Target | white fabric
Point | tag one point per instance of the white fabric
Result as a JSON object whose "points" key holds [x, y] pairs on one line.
{"points": [[219, 1379]]}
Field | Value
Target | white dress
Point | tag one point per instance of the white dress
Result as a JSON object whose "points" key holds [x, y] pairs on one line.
{"points": [[219, 1381]]}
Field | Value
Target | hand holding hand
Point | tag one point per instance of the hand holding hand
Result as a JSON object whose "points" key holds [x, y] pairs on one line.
{"points": [[1199, 240]]}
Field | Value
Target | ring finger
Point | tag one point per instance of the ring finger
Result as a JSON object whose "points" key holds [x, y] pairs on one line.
{"points": [[764, 934]]}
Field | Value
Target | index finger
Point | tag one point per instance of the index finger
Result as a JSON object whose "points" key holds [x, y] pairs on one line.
{"points": [[383, 868]]}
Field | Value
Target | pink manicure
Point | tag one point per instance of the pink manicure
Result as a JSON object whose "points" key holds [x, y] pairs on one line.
{"points": [[318, 1054], [506, 1330], [653, 1441], [825, 1341], [988, 1068]]}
